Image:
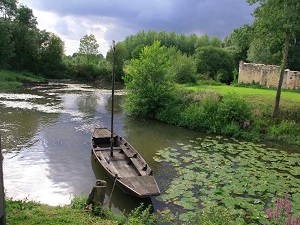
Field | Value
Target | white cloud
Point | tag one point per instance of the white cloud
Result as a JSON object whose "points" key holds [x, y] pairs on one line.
{"points": [[116, 19]]}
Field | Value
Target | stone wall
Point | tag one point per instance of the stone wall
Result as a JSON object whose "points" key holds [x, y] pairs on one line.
{"points": [[267, 75]]}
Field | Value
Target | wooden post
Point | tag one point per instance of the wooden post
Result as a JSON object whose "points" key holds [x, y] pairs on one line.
{"points": [[97, 195], [112, 102], [2, 199]]}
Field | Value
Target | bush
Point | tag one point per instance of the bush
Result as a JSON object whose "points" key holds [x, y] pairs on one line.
{"points": [[287, 130], [148, 83], [234, 109]]}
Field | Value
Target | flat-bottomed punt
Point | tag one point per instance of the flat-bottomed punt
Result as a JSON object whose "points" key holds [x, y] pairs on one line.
{"points": [[123, 164]]}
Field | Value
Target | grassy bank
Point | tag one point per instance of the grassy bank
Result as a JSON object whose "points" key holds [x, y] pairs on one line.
{"points": [[27, 213], [240, 112], [32, 213], [16, 79]]}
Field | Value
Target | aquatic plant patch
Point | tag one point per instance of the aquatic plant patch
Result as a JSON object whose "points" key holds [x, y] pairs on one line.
{"points": [[244, 177]]}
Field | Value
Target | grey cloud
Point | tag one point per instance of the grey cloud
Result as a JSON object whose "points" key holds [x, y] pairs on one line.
{"points": [[127, 17], [213, 17]]}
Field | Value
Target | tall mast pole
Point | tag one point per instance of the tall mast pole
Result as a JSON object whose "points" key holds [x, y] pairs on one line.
{"points": [[112, 102]]}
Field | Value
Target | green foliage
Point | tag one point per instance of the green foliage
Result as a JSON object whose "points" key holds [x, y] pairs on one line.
{"points": [[213, 60], [285, 130], [8, 8], [185, 44], [233, 109], [29, 213], [88, 46], [6, 46], [51, 57], [25, 17], [78, 202], [148, 83], [232, 181], [141, 215], [183, 69], [208, 111], [120, 56], [239, 41], [13, 79], [259, 52], [274, 21]]}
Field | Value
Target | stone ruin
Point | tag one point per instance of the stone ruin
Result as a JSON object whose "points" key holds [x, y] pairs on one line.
{"points": [[267, 75]]}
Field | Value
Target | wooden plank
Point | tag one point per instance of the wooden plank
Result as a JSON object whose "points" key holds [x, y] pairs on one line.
{"points": [[143, 185], [102, 133], [128, 151], [140, 167]]}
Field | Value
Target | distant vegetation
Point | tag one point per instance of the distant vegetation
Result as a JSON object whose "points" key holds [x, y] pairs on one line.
{"points": [[23, 47], [154, 64], [15, 79]]}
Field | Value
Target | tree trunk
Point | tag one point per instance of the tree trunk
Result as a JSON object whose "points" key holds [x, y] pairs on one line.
{"points": [[285, 57]]}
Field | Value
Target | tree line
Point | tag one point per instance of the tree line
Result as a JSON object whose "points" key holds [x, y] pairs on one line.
{"points": [[26, 48]]}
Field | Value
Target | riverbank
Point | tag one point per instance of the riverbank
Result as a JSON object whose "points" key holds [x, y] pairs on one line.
{"points": [[10, 79], [27, 213], [239, 112], [32, 213]]}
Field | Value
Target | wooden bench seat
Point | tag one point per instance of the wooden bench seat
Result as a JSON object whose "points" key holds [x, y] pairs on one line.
{"points": [[140, 167], [128, 152]]}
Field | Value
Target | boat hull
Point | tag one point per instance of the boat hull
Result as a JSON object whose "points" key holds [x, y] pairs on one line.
{"points": [[124, 165]]}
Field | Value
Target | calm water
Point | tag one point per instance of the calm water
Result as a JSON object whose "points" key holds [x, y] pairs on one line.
{"points": [[46, 142]]}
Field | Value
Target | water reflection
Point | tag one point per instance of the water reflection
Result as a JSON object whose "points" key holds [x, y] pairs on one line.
{"points": [[46, 139]]}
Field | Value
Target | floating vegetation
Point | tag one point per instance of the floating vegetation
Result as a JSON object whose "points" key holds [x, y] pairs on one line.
{"points": [[244, 177]]}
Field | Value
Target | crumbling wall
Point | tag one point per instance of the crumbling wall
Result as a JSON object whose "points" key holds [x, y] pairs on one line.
{"points": [[267, 75]]}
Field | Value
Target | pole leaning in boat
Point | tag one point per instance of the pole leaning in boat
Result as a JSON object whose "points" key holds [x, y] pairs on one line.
{"points": [[112, 102]]}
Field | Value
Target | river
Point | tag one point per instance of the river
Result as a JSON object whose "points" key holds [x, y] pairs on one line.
{"points": [[46, 142]]}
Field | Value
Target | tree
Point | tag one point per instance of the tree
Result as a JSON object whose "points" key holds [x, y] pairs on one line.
{"points": [[216, 42], [25, 40], [120, 56], [183, 68], [274, 19], [88, 46], [270, 53], [239, 41], [51, 56], [148, 82], [202, 41], [6, 46], [211, 60], [25, 17], [8, 8]]}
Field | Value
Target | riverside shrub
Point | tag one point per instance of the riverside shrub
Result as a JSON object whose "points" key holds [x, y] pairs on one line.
{"points": [[228, 115]]}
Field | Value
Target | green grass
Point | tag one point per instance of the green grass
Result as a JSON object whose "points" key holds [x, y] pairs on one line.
{"points": [[32, 213], [288, 98], [15, 79], [28, 213]]}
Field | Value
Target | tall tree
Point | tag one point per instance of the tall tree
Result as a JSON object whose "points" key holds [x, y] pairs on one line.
{"points": [[120, 56], [213, 61], [6, 46], [273, 19], [89, 46], [25, 17], [8, 8], [25, 39], [239, 41], [51, 56]]}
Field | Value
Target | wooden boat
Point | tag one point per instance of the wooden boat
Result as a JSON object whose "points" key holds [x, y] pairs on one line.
{"points": [[121, 161], [124, 164]]}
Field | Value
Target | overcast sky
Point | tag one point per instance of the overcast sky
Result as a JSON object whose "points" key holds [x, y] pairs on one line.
{"points": [[116, 19]]}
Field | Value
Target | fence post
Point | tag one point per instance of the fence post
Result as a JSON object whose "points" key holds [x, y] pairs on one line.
{"points": [[97, 195], [2, 199]]}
